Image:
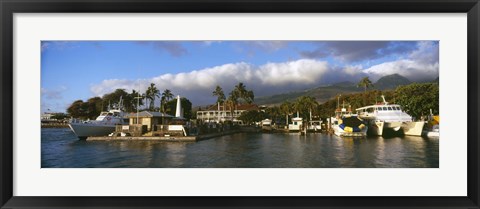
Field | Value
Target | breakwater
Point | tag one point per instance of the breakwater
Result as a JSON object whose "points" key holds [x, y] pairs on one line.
{"points": [[54, 125], [162, 138]]}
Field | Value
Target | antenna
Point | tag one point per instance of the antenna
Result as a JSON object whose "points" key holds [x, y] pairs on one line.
{"points": [[384, 101], [338, 101]]}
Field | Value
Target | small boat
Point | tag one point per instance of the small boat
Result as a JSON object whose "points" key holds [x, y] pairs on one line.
{"points": [[346, 124], [432, 128], [103, 125], [266, 125], [385, 118], [315, 124]]}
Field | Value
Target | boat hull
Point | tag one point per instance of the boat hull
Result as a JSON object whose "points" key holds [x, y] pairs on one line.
{"points": [[84, 130], [380, 128], [340, 132], [314, 128], [375, 128], [431, 133], [413, 128]]}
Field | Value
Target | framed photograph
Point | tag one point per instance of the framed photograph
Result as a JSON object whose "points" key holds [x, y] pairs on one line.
{"points": [[236, 104]]}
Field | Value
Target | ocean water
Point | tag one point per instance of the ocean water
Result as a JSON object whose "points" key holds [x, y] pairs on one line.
{"points": [[61, 149]]}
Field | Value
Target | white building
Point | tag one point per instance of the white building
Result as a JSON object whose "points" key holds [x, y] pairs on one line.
{"points": [[219, 113]]}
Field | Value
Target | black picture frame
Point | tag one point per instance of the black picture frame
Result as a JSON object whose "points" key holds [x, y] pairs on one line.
{"points": [[10, 7]]}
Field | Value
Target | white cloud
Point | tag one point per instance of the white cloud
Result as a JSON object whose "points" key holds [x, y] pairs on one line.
{"points": [[352, 70], [427, 52], [299, 72], [411, 69], [199, 84], [421, 64]]}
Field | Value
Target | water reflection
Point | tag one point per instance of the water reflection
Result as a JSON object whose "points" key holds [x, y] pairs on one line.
{"points": [[60, 148]]}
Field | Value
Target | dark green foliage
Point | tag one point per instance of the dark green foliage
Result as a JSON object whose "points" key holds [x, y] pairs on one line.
{"points": [[418, 99], [219, 93], [171, 107], [252, 116], [275, 113], [133, 98], [240, 92], [114, 98], [94, 107], [304, 105], [152, 93], [78, 109], [59, 116], [167, 95]]}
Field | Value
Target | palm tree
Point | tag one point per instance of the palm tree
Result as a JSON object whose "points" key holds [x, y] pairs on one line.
{"points": [[167, 94], [274, 112], [219, 93], [241, 91], [286, 108], [365, 82], [232, 102], [305, 104], [152, 93], [249, 97]]}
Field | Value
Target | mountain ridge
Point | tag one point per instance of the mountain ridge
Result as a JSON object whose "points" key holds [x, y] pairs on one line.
{"points": [[324, 93]]}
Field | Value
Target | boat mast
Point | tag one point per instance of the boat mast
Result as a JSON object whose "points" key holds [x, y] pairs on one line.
{"points": [[138, 103], [338, 101]]}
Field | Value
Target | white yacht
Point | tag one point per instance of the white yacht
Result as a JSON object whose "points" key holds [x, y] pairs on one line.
{"points": [[385, 117], [103, 125], [314, 125], [266, 125], [344, 123]]}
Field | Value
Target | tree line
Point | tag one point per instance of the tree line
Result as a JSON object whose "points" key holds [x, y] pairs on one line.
{"points": [[132, 102], [238, 95], [416, 99]]}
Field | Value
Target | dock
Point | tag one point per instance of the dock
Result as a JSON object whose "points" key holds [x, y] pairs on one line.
{"points": [[162, 138]]}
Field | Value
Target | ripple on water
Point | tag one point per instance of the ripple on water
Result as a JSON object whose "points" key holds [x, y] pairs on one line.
{"points": [[60, 148]]}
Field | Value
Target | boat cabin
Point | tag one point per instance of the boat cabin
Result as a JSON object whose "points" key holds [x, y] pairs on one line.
{"points": [[315, 125], [376, 109], [384, 112], [266, 124], [296, 125]]}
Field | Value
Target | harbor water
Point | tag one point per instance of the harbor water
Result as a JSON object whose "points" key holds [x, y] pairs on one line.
{"points": [[61, 149]]}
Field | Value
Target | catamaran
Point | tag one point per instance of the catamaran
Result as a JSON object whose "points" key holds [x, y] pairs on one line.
{"points": [[385, 117]]}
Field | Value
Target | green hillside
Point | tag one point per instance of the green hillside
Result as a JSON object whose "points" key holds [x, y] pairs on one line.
{"points": [[391, 82], [324, 93]]}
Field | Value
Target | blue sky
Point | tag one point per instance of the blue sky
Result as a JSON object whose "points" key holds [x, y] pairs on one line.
{"points": [[72, 70]]}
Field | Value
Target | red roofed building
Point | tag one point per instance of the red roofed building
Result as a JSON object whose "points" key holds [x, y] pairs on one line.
{"points": [[220, 113]]}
